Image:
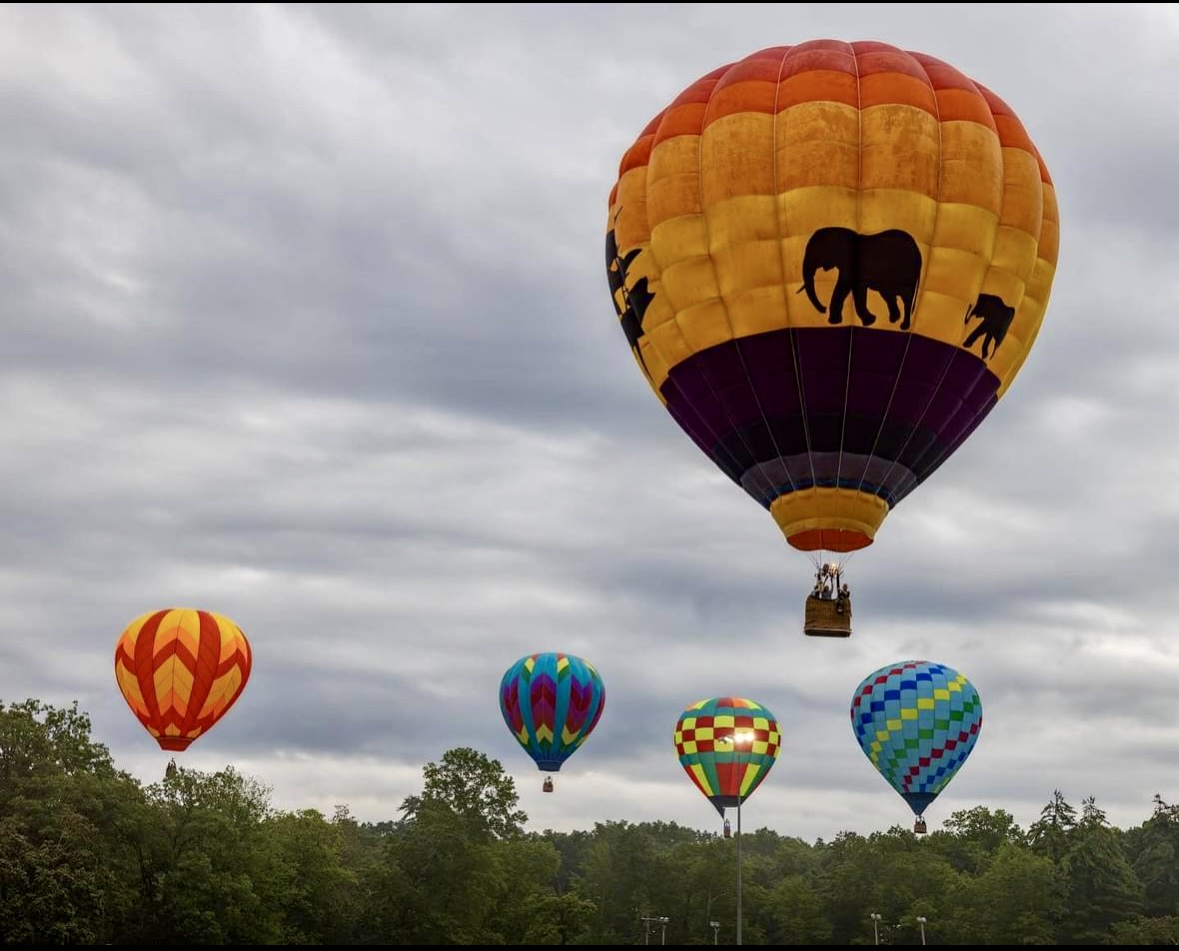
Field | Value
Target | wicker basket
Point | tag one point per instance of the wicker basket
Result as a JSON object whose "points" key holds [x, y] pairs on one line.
{"points": [[827, 617]]}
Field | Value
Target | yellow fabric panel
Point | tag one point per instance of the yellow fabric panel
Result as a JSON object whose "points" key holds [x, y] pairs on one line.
{"points": [[941, 693], [676, 239], [705, 733], [665, 335], [964, 227], [173, 680], [1038, 291], [826, 507], [899, 148], [1023, 193], [908, 713], [1035, 310], [1049, 235], [629, 215], [1013, 349], [687, 282], [971, 166], [704, 325], [817, 144], [805, 210], [653, 367], [926, 703], [182, 624], [884, 208], [1015, 251], [735, 222], [757, 310], [748, 776], [673, 180], [748, 265], [942, 317], [660, 310], [131, 634], [735, 159], [725, 719], [223, 690], [129, 684]]}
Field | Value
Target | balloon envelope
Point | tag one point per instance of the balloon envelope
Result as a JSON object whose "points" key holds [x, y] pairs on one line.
{"points": [[917, 722], [551, 702], [180, 670], [727, 745], [830, 261]]}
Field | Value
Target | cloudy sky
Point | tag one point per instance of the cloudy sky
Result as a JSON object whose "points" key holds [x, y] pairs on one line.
{"points": [[305, 320]]}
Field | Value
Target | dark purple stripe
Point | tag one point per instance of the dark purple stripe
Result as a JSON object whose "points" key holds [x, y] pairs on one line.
{"points": [[911, 400]]}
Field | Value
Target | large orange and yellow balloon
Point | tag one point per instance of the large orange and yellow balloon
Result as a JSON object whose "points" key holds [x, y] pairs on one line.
{"points": [[180, 670], [831, 260]]}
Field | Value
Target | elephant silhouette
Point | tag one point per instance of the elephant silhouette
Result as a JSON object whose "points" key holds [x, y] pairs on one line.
{"points": [[994, 320], [630, 304], [888, 262]]}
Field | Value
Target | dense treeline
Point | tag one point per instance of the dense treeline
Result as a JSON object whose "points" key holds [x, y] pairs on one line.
{"points": [[89, 855]]}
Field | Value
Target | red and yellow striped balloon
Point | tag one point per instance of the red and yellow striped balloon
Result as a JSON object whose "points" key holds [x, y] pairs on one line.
{"points": [[830, 261], [180, 670]]}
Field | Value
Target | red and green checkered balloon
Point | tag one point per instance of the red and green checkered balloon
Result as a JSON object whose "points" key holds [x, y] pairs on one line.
{"points": [[727, 746]]}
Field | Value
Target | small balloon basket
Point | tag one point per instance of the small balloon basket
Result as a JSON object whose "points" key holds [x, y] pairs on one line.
{"points": [[827, 617]]}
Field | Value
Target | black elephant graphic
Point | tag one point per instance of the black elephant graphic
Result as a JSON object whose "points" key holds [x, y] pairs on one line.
{"points": [[631, 304], [888, 262], [994, 320]]}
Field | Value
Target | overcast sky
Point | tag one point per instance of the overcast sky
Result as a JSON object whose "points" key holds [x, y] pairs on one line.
{"points": [[306, 321]]}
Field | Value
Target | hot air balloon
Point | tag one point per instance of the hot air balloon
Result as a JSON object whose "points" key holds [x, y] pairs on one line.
{"points": [[551, 702], [830, 261], [180, 670], [727, 745], [917, 722]]}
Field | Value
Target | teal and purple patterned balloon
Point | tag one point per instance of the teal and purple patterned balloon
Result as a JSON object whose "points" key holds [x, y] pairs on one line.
{"points": [[551, 702], [917, 722]]}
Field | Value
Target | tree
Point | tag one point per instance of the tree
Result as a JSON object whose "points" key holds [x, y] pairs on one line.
{"points": [[1102, 887], [1049, 835], [1018, 899], [1152, 849], [476, 788]]}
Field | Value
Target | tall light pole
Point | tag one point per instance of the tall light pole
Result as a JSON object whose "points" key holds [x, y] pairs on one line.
{"points": [[921, 922], [715, 931], [876, 926], [738, 738]]}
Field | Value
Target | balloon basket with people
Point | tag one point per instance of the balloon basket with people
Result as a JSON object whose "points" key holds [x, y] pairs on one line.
{"points": [[828, 607]]}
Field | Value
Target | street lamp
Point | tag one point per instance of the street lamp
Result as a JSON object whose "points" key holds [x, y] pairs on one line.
{"points": [[738, 738], [921, 922], [715, 931], [875, 926]]}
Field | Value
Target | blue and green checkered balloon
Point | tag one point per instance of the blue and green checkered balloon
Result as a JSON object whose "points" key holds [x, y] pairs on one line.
{"points": [[917, 722]]}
